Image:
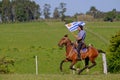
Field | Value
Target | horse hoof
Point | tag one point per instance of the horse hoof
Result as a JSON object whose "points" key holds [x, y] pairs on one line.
{"points": [[61, 71], [87, 70], [79, 73]]}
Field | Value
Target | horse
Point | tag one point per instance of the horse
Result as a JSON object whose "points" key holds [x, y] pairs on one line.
{"points": [[72, 56]]}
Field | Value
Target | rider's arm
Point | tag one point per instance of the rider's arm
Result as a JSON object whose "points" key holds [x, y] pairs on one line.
{"points": [[77, 38]]}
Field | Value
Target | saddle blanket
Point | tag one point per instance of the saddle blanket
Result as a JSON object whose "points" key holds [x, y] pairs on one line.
{"points": [[84, 50]]}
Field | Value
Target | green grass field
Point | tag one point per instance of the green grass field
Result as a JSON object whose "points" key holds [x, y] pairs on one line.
{"points": [[60, 77], [23, 41]]}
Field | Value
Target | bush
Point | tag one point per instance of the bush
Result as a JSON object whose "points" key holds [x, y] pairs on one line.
{"points": [[114, 56], [4, 65]]}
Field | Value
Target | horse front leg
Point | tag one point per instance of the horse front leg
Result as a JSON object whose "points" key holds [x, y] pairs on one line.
{"points": [[65, 60], [72, 64]]}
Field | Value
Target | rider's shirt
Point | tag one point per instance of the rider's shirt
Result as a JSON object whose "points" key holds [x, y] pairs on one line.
{"points": [[82, 34]]}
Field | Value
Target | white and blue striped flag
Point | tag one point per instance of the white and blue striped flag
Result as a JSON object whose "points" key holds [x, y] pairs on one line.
{"points": [[74, 25]]}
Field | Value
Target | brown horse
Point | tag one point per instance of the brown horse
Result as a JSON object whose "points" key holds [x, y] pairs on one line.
{"points": [[71, 54]]}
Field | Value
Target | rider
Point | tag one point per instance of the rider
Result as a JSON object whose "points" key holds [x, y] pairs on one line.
{"points": [[80, 38]]}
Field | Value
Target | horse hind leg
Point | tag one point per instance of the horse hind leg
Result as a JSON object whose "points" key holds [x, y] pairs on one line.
{"points": [[93, 63], [86, 65]]}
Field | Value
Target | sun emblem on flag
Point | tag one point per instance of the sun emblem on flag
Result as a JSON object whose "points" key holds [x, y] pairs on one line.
{"points": [[69, 25]]}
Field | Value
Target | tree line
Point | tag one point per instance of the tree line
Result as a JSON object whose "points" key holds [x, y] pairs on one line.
{"points": [[18, 10], [28, 10]]}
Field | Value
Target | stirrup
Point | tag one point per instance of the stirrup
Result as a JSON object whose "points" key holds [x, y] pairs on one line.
{"points": [[78, 57]]}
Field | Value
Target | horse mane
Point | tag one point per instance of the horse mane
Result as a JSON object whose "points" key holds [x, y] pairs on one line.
{"points": [[71, 43], [66, 35]]}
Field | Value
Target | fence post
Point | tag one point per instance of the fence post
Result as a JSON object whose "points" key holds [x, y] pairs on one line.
{"points": [[36, 63], [104, 63]]}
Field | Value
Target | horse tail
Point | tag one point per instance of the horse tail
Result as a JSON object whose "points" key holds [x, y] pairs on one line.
{"points": [[101, 51]]}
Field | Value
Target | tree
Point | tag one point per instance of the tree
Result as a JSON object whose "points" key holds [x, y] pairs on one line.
{"points": [[32, 11], [110, 16], [93, 12], [56, 13], [20, 11], [62, 10], [114, 56], [5, 9], [118, 16], [46, 11], [0, 11]]}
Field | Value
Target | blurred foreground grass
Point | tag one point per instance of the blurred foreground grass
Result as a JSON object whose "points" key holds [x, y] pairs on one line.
{"points": [[60, 77]]}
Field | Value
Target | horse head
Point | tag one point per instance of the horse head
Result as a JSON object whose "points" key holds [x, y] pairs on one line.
{"points": [[64, 41]]}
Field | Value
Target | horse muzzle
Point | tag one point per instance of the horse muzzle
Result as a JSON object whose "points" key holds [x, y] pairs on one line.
{"points": [[60, 45]]}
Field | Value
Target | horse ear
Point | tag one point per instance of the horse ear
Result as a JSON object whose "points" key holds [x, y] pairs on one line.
{"points": [[66, 35]]}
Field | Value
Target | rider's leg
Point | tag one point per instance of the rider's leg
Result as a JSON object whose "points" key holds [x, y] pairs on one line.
{"points": [[79, 48]]}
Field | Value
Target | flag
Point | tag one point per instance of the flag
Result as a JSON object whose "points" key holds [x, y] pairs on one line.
{"points": [[74, 25]]}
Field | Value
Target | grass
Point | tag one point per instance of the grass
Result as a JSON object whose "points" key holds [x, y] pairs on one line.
{"points": [[22, 41], [60, 77]]}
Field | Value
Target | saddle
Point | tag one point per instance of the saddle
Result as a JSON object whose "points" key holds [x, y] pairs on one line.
{"points": [[83, 49]]}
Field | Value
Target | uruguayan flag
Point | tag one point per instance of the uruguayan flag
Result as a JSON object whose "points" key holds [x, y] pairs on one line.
{"points": [[74, 25]]}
